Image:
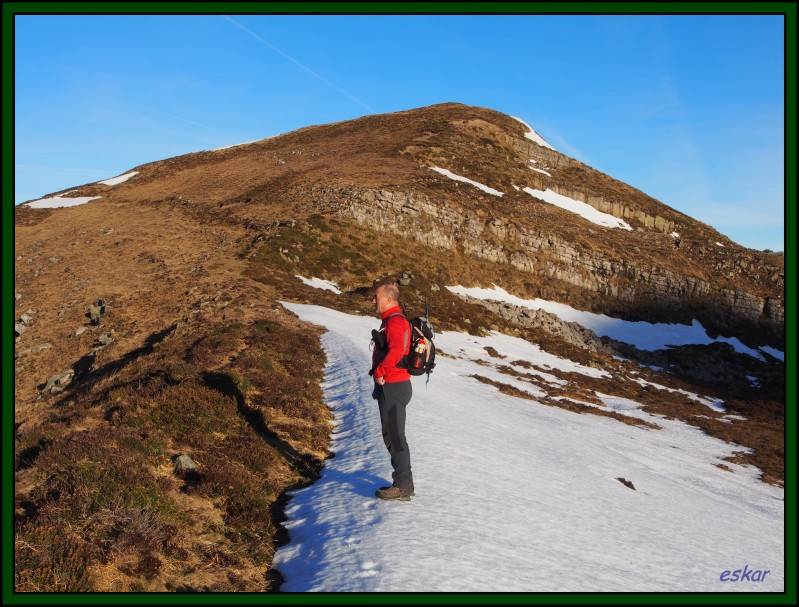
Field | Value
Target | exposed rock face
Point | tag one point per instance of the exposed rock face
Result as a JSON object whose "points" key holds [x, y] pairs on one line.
{"points": [[631, 280], [613, 205], [376, 171], [716, 364], [570, 332]]}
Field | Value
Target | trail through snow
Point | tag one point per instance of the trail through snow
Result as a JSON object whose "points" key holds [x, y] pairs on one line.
{"points": [[513, 495]]}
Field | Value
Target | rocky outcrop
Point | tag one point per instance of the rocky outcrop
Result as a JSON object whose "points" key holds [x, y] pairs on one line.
{"points": [[616, 205], [570, 332], [631, 283]]}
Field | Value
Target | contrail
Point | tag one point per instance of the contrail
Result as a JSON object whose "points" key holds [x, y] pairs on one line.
{"points": [[299, 64]]}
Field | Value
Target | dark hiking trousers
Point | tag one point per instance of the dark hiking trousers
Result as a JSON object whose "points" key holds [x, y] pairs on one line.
{"points": [[392, 399]]}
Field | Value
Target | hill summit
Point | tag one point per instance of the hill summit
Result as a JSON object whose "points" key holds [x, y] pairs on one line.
{"points": [[166, 399]]}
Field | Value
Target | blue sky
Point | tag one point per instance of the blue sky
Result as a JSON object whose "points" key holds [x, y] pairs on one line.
{"points": [[688, 109]]}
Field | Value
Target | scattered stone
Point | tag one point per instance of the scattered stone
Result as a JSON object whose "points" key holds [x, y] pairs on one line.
{"points": [[17, 295], [434, 287], [105, 339], [626, 483], [185, 466], [41, 347], [19, 328], [96, 311], [59, 381], [26, 318], [80, 331]]}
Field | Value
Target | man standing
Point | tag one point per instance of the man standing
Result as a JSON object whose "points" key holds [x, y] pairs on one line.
{"points": [[392, 388]]}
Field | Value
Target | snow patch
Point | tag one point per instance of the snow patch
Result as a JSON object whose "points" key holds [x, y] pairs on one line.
{"points": [[234, 145], [533, 136], [462, 179], [515, 496], [580, 208], [54, 202], [716, 404], [674, 235], [778, 354], [643, 335], [719, 244], [319, 283], [542, 171], [472, 347], [119, 179]]}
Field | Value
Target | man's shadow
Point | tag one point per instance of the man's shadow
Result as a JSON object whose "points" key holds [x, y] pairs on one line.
{"points": [[360, 482]]}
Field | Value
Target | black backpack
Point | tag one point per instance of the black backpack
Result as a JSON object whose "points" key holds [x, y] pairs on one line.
{"points": [[421, 357]]}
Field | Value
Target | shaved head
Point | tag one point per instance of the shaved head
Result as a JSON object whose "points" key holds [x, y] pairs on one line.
{"points": [[389, 291], [386, 296]]}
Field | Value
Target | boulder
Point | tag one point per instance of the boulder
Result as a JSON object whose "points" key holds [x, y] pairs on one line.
{"points": [[184, 465], [58, 382]]}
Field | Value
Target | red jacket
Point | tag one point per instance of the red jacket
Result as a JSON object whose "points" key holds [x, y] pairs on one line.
{"points": [[398, 342]]}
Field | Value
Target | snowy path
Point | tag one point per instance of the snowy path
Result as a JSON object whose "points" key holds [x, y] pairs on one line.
{"points": [[517, 496]]}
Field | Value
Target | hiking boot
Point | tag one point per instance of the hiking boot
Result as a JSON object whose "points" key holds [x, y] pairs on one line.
{"points": [[390, 486], [393, 493]]}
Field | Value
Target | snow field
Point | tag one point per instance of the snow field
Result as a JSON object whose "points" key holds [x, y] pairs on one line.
{"points": [[515, 496], [319, 283], [477, 184], [580, 208], [532, 135], [54, 202], [119, 179]]}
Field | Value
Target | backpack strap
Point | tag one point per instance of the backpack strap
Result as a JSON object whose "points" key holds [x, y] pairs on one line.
{"points": [[403, 362], [390, 316]]}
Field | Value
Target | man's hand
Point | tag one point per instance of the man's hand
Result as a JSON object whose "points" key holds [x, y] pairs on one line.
{"points": [[381, 380]]}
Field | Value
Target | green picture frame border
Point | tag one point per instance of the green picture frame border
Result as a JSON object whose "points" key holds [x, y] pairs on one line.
{"points": [[11, 9]]}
